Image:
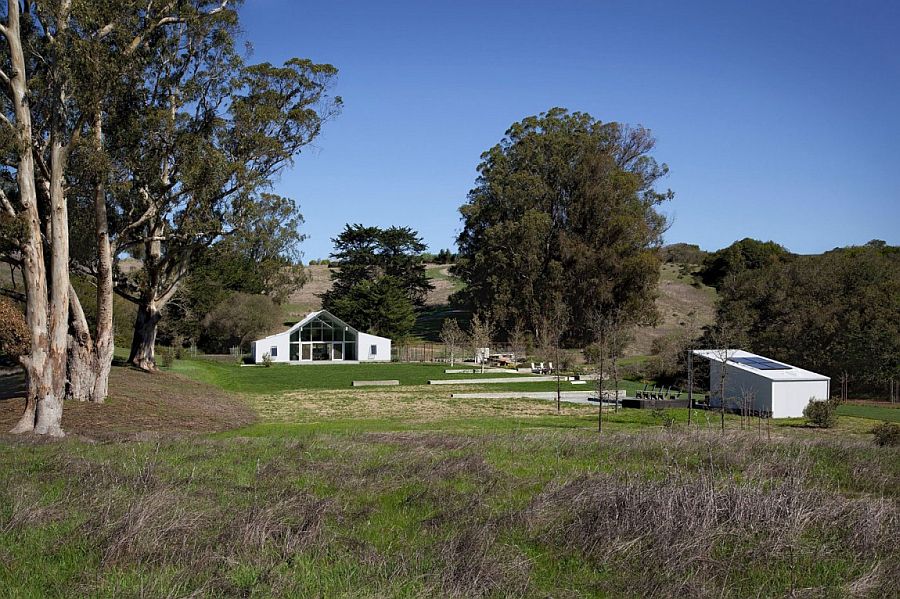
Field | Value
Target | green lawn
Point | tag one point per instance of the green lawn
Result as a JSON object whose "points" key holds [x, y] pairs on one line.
{"points": [[887, 412], [282, 377]]}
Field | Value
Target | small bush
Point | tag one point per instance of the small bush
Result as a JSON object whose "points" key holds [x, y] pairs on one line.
{"points": [[822, 414], [15, 337], [166, 356], [887, 434], [267, 360]]}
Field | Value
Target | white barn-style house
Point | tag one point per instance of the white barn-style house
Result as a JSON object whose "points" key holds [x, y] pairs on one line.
{"points": [[770, 387], [322, 337]]}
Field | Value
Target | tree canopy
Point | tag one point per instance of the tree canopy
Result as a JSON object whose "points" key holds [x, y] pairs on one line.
{"points": [[379, 275], [564, 210], [196, 145], [724, 265], [832, 313]]}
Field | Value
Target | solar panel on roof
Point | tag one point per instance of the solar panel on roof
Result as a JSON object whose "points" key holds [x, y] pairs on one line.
{"points": [[760, 363]]}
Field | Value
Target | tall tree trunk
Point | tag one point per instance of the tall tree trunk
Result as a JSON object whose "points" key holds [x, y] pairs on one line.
{"points": [[90, 359], [48, 420], [142, 343], [47, 321]]}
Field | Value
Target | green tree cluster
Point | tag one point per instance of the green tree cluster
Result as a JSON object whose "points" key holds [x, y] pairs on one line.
{"points": [[683, 253], [725, 265], [564, 210], [834, 313], [378, 278]]}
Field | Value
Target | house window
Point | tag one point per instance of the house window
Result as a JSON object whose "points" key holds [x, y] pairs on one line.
{"points": [[273, 352], [373, 350]]}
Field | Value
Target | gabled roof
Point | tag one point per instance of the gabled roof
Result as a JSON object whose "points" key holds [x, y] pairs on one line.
{"points": [[312, 316], [787, 373]]}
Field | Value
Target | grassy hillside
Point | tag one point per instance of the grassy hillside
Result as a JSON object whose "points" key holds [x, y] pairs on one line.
{"points": [[682, 302], [679, 296]]}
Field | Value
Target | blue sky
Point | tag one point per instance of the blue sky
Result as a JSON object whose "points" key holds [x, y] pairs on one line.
{"points": [[778, 120]]}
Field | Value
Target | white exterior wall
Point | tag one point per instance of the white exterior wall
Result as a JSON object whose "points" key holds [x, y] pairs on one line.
{"points": [[264, 346], [738, 382], [364, 346], [790, 397]]}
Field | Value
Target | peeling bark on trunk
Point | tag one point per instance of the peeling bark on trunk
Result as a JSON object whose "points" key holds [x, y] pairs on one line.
{"points": [[90, 360], [89, 363], [46, 318], [142, 344]]}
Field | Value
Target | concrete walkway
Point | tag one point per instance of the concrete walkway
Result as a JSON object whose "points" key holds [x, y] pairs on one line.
{"points": [[582, 397], [513, 379]]}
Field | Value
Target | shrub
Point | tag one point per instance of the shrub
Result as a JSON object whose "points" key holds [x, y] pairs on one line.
{"points": [[267, 360], [887, 434], [239, 318], [822, 414], [166, 356], [15, 338]]}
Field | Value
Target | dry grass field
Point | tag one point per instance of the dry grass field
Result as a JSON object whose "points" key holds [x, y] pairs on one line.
{"points": [[339, 492]]}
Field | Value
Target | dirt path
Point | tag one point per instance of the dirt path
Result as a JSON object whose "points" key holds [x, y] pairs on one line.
{"points": [[141, 404]]}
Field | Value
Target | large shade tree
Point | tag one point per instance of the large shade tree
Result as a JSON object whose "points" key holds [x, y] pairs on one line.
{"points": [[564, 209], [195, 148]]}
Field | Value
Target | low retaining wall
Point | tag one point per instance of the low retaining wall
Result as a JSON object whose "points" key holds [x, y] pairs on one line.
{"points": [[375, 383], [649, 404], [514, 379]]}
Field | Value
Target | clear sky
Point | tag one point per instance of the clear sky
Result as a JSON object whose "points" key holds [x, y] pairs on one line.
{"points": [[778, 120]]}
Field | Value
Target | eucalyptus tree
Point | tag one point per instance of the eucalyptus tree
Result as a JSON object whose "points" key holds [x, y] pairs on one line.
{"points": [[564, 209], [39, 125], [119, 42], [195, 147]]}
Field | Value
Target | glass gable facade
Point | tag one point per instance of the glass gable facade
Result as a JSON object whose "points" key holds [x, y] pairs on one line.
{"points": [[323, 339]]}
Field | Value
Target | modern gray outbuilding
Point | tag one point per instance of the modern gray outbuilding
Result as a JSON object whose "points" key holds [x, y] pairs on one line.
{"points": [[321, 337], [768, 386]]}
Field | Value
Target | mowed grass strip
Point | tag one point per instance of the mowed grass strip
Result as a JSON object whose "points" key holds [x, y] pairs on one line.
{"points": [[887, 412], [283, 377]]}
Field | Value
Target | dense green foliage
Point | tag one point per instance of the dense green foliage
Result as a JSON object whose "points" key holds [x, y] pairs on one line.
{"points": [[834, 313], [564, 212], [378, 306], [239, 319], [822, 414], [683, 253], [725, 265], [378, 277], [261, 259]]}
